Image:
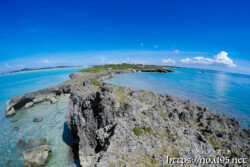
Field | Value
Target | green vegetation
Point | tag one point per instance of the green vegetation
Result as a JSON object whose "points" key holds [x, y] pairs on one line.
{"points": [[111, 164], [215, 144], [164, 114], [122, 99], [161, 133], [95, 82], [148, 130], [157, 134], [97, 69], [236, 150], [174, 154], [125, 158], [137, 131], [120, 163], [171, 137]]}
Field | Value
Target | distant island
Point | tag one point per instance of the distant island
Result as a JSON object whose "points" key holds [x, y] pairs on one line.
{"points": [[38, 69], [107, 66]]}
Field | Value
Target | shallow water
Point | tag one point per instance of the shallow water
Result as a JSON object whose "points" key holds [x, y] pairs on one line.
{"points": [[221, 92], [52, 126]]}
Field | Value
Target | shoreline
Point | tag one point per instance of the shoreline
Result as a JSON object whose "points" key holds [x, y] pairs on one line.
{"points": [[49, 94]]}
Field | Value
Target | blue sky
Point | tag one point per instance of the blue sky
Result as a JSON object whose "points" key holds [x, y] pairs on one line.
{"points": [[190, 33]]}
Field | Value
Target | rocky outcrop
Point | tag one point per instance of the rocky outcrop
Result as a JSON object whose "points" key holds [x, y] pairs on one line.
{"points": [[10, 111], [36, 142], [119, 126], [37, 157], [38, 119], [29, 99], [76, 75], [21, 143], [29, 104], [49, 94]]}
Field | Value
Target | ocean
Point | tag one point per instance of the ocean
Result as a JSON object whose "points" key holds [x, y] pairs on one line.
{"points": [[221, 92], [52, 127]]}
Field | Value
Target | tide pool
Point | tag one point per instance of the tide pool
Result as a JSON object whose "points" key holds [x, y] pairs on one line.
{"points": [[224, 93], [52, 126]]}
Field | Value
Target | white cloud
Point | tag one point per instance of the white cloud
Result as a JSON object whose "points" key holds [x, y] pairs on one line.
{"points": [[7, 65], [197, 60], [168, 61], [176, 51], [45, 61], [219, 59], [222, 58]]}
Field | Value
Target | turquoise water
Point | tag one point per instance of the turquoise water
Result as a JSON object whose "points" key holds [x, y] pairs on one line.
{"points": [[52, 126], [221, 92]]}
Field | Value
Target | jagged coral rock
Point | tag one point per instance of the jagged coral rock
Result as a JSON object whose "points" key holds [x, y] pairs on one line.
{"points": [[111, 126]]}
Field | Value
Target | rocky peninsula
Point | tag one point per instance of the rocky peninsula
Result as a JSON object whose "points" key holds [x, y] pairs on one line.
{"points": [[118, 126], [50, 93]]}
